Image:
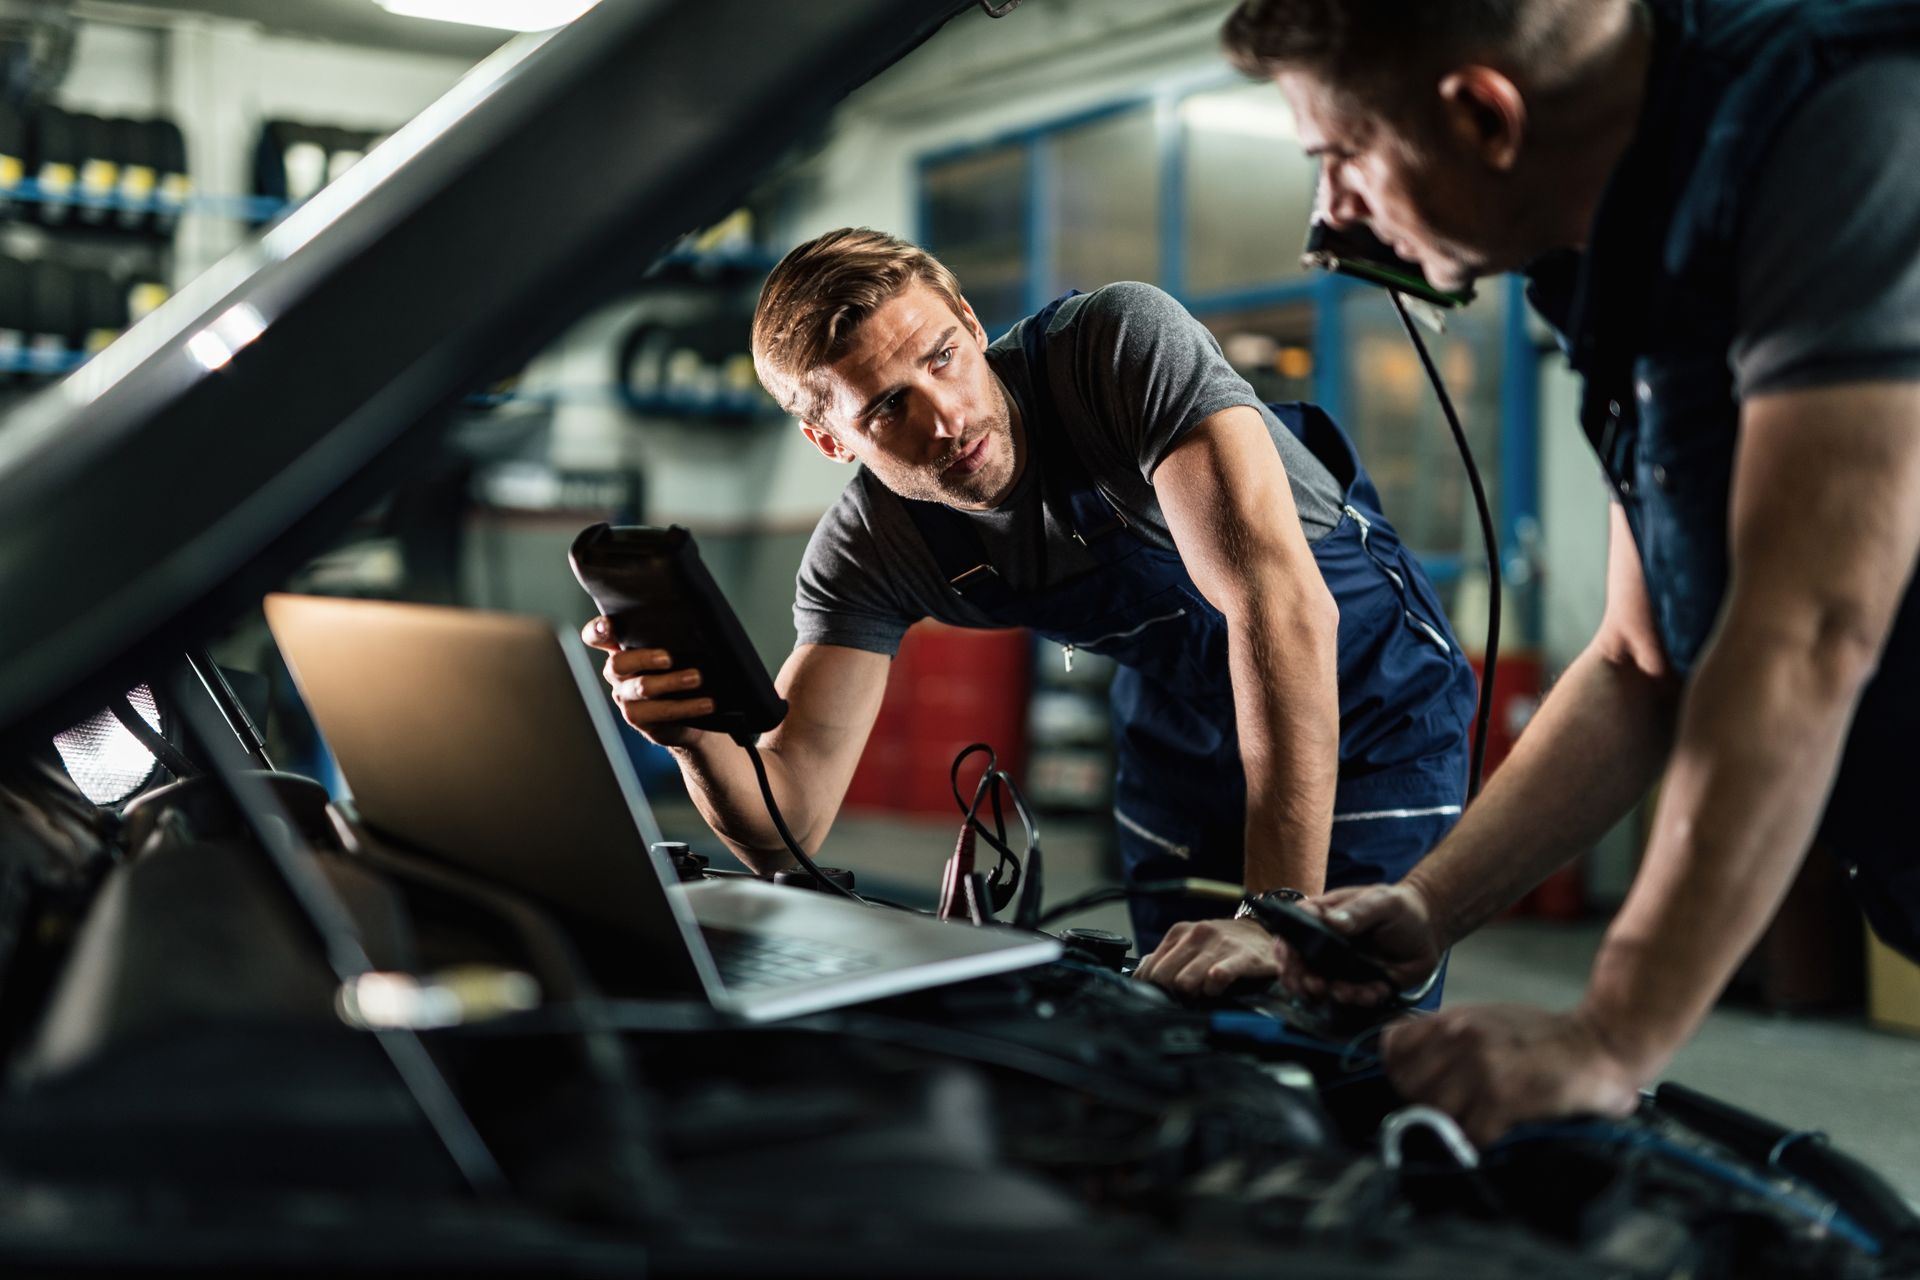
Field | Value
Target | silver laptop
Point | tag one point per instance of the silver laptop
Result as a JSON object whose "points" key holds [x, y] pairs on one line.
{"points": [[488, 740]]}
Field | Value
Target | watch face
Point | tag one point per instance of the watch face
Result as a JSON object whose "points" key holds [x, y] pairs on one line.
{"points": [[1245, 911]]}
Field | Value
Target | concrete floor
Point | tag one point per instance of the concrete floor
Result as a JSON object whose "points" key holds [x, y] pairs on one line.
{"points": [[1860, 1085]]}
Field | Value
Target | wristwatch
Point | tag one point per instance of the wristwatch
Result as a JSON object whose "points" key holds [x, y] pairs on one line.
{"points": [[1245, 910]]}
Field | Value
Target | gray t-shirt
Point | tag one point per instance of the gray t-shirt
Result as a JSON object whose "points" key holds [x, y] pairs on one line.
{"points": [[1131, 372], [1830, 254]]}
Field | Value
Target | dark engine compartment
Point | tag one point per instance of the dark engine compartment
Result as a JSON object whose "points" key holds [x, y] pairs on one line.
{"points": [[184, 1093]]}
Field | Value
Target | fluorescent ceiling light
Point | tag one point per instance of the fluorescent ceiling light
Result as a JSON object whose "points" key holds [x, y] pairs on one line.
{"points": [[1253, 114], [505, 15]]}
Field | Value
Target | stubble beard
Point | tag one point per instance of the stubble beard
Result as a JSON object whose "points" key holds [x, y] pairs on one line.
{"points": [[988, 483]]}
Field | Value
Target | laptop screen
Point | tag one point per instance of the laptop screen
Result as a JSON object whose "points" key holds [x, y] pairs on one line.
{"points": [[485, 741]]}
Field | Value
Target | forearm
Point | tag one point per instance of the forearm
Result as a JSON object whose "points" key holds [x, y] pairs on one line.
{"points": [[1287, 706], [1227, 502], [1760, 738], [833, 694], [1591, 751], [721, 781]]}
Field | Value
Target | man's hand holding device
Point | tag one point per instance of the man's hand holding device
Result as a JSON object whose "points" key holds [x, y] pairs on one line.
{"points": [[1386, 928], [658, 606], [653, 697]]}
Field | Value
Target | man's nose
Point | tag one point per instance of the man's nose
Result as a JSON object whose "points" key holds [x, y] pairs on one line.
{"points": [[1337, 204], [944, 417]]}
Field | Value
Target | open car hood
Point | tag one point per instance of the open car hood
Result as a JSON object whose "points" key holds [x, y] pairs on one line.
{"points": [[229, 436]]}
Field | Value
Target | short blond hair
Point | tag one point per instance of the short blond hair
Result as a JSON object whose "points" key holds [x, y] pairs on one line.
{"points": [[817, 298]]}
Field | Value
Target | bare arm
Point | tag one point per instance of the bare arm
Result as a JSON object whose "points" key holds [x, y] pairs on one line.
{"points": [[833, 695], [1825, 531], [1226, 500], [1589, 754], [1595, 746]]}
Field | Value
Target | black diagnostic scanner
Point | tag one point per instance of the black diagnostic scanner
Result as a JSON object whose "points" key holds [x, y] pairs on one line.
{"points": [[654, 589], [1355, 251], [1325, 950]]}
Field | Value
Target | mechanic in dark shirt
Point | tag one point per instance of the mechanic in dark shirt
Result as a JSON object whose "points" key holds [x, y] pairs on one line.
{"points": [[1717, 203], [1290, 705]]}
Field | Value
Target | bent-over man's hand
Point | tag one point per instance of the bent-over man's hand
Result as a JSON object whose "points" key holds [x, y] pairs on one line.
{"points": [[1492, 1066], [1390, 922], [640, 679], [1205, 957]]}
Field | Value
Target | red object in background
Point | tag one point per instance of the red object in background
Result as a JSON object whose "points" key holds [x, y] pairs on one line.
{"points": [[1518, 683], [948, 687]]}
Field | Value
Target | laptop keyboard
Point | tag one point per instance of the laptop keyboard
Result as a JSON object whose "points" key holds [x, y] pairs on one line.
{"points": [[752, 961]]}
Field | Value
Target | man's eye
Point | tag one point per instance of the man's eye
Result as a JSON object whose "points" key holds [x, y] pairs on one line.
{"points": [[888, 407], [945, 358]]}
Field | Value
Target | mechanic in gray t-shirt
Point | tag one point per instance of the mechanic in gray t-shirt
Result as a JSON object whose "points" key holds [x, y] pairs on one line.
{"points": [[1133, 372], [1290, 706]]}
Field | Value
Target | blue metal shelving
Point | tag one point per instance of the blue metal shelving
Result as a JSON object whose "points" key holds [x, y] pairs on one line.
{"points": [[243, 208]]}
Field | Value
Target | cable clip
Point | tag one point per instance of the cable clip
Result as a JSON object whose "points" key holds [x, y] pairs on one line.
{"points": [[1788, 1139], [1441, 1125], [958, 872]]}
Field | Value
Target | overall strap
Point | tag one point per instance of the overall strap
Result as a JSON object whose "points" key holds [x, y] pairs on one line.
{"points": [[951, 537], [1090, 517], [957, 549]]}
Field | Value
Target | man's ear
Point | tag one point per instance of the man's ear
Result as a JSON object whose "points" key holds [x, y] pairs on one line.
{"points": [[826, 442], [1486, 113], [974, 327]]}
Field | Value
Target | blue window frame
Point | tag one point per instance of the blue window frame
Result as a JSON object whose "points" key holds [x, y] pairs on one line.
{"points": [[1027, 163]]}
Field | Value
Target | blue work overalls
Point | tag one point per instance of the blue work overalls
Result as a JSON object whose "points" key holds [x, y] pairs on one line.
{"points": [[1647, 316], [1406, 691]]}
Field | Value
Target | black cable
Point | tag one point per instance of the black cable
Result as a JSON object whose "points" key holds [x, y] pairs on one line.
{"points": [[1187, 888], [1027, 877], [1007, 859], [780, 825], [1090, 899], [987, 788], [1494, 583], [1026, 914]]}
